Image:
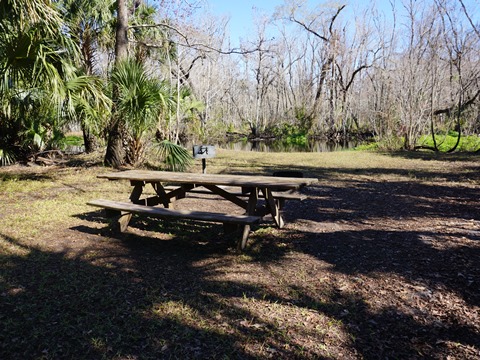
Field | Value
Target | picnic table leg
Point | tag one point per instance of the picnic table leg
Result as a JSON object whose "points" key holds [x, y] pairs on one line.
{"points": [[251, 210], [243, 241], [274, 208], [137, 191], [162, 195], [236, 230], [119, 219], [252, 202]]}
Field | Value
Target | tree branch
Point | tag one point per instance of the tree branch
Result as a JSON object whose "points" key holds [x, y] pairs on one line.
{"points": [[187, 43], [355, 74], [334, 17], [469, 18], [310, 30], [462, 107]]}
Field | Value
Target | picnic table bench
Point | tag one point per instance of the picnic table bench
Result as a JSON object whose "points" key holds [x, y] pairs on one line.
{"points": [[123, 211]]}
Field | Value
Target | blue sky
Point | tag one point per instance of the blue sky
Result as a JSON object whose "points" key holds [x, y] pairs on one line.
{"points": [[241, 12]]}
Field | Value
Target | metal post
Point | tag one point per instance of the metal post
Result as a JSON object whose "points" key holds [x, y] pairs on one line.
{"points": [[203, 152]]}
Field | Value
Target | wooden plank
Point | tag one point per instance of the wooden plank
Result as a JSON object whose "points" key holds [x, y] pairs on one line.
{"points": [[271, 182], [122, 219], [178, 192], [276, 194], [243, 240], [137, 191], [252, 202], [162, 195], [274, 210], [236, 228], [183, 214]]}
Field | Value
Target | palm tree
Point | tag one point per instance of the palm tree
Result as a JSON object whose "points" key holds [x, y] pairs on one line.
{"points": [[90, 24], [140, 15], [114, 155], [140, 101], [31, 70], [38, 79], [87, 102]]}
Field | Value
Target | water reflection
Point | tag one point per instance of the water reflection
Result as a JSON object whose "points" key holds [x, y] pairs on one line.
{"points": [[283, 146], [74, 149]]}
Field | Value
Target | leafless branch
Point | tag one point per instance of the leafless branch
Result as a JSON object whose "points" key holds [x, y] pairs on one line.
{"points": [[310, 30], [334, 17], [462, 106], [187, 43], [469, 18]]}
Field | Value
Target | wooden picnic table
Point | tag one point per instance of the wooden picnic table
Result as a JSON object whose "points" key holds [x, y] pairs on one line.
{"points": [[242, 190], [251, 185]]}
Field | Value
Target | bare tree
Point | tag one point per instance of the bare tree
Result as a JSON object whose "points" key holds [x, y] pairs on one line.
{"points": [[461, 50], [329, 74]]}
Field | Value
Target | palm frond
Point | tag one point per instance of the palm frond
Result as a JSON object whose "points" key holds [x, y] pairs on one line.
{"points": [[175, 157], [139, 97], [7, 157], [86, 103]]}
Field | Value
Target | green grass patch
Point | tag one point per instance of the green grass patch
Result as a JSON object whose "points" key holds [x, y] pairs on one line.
{"points": [[371, 146], [297, 139], [73, 140], [447, 141]]}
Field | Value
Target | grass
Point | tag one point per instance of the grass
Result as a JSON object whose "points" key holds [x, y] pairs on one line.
{"points": [[349, 277], [73, 140], [447, 141]]}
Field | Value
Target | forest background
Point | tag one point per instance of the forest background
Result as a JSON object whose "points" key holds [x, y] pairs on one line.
{"points": [[137, 73]]}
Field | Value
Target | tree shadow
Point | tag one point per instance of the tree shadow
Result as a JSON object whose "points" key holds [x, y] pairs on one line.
{"points": [[141, 298], [26, 176], [413, 323], [56, 306], [395, 294], [360, 201], [148, 298], [414, 233]]}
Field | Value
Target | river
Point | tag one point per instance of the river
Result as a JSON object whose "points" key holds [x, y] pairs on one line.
{"points": [[283, 146]]}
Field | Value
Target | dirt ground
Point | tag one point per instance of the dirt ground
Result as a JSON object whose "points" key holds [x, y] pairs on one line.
{"points": [[377, 263]]}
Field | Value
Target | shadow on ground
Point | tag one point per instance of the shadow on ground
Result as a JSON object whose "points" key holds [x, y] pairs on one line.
{"points": [[104, 305], [387, 269]]}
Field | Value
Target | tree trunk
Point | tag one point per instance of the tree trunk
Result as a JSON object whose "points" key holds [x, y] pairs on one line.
{"points": [[121, 39], [89, 140], [115, 154]]}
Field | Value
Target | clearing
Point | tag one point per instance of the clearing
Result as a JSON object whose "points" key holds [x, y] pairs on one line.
{"points": [[382, 261]]}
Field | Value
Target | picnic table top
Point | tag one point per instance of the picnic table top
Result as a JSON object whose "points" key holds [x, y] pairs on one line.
{"points": [[258, 181]]}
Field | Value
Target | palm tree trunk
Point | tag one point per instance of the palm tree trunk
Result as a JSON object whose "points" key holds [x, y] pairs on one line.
{"points": [[89, 140], [115, 154]]}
